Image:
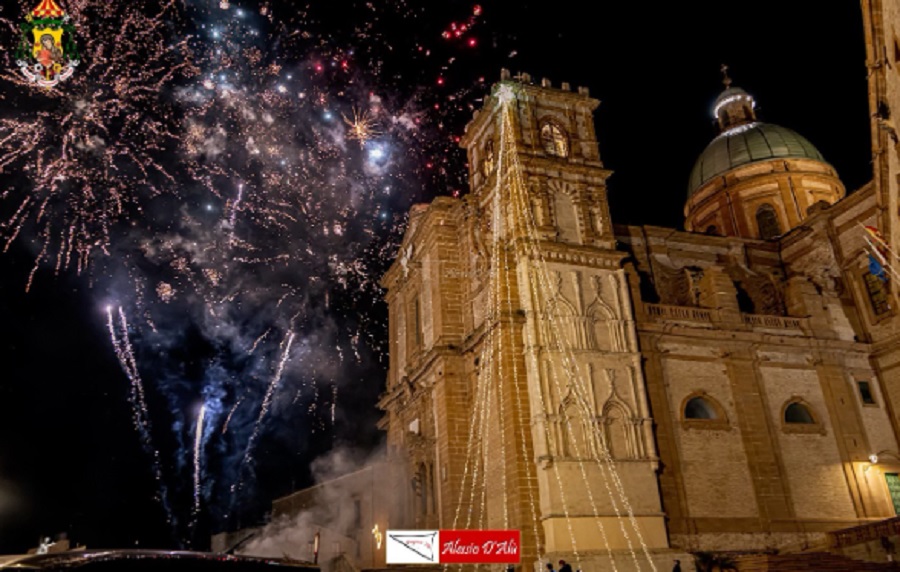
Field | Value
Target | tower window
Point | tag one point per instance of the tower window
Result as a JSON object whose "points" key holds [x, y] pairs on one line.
{"points": [[699, 408], [767, 222], [798, 413], [554, 140], [865, 393]]}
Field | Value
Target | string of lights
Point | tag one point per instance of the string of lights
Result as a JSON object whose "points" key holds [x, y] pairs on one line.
{"points": [[577, 380], [521, 227]]}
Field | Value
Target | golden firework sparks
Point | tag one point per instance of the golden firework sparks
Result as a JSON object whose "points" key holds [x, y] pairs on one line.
{"points": [[362, 126]]}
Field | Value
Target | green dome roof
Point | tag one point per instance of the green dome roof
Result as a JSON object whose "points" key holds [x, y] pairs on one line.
{"points": [[746, 144]]}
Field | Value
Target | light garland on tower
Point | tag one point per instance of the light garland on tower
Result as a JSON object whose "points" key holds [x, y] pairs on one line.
{"points": [[575, 375], [529, 467], [508, 149], [571, 367], [520, 230]]}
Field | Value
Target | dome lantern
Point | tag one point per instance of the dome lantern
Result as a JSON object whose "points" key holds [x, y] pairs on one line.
{"points": [[734, 107]]}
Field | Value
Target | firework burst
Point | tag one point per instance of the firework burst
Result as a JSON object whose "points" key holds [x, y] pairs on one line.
{"points": [[362, 127], [237, 202], [88, 154]]}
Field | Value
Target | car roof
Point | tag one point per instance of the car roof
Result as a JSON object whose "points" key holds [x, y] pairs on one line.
{"points": [[154, 559]]}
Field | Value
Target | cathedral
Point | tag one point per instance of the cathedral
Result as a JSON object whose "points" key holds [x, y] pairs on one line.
{"points": [[625, 394], [628, 396]]}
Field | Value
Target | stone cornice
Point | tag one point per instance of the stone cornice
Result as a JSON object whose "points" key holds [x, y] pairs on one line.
{"points": [[580, 255], [653, 236], [721, 336], [535, 164]]}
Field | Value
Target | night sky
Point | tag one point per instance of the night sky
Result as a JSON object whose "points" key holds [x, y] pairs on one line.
{"points": [[247, 253]]}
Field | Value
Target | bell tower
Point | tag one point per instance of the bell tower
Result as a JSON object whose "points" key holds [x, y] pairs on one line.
{"points": [[559, 299], [557, 146]]}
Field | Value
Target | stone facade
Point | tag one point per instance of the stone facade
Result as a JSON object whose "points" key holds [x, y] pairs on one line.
{"points": [[747, 479], [620, 393]]}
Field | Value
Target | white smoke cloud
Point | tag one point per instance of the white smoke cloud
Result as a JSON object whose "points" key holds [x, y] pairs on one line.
{"points": [[331, 508]]}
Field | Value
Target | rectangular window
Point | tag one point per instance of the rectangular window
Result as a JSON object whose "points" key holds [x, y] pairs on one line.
{"points": [[414, 337], [418, 321], [418, 311], [893, 484], [865, 392], [877, 294], [357, 513]]}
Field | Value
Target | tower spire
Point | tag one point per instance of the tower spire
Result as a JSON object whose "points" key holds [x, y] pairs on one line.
{"points": [[725, 79]]}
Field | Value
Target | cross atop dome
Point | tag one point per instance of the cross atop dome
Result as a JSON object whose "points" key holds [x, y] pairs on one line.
{"points": [[725, 79]]}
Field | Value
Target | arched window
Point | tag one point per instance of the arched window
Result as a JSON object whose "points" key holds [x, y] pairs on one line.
{"points": [[701, 411], [798, 413], [767, 222], [554, 140], [798, 417], [700, 408]]}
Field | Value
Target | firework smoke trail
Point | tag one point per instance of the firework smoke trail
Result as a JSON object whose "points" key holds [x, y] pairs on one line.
{"points": [[198, 442], [264, 409], [140, 415], [230, 413], [334, 395], [267, 400]]}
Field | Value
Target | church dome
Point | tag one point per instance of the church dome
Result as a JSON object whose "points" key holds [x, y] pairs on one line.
{"points": [[748, 143], [755, 180]]}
